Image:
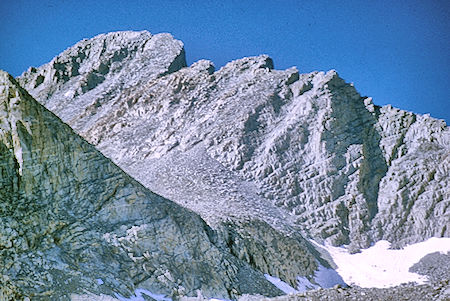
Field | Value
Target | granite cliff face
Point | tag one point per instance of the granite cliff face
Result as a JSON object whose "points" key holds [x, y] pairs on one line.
{"points": [[73, 224], [306, 153]]}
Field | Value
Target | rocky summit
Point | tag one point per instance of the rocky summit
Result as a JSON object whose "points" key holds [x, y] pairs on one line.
{"points": [[343, 170], [272, 161]]}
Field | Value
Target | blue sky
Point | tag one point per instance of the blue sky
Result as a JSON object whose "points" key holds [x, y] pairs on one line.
{"points": [[398, 51]]}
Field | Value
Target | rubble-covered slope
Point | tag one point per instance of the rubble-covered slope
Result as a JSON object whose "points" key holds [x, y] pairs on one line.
{"points": [[72, 222], [406, 292], [307, 151]]}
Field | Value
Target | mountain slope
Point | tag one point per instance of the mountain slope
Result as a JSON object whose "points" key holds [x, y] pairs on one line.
{"points": [[72, 222], [305, 150], [216, 194]]}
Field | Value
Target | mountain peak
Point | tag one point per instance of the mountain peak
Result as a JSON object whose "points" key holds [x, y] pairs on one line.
{"points": [[6, 79], [262, 124], [266, 157], [252, 62], [104, 56]]}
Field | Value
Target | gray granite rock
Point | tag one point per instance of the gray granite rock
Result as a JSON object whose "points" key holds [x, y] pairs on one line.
{"points": [[192, 177], [405, 292], [435, 266], [305, 154], [93, 72], [72, 223]]}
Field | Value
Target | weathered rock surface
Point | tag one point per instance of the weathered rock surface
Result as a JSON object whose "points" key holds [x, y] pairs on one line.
{"points": [[101, 69], [435, 265], [305, 150], [190, 176], [72, 223], [406, 292], [264, 156]]}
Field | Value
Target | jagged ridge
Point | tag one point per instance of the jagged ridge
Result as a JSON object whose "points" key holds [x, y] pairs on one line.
{"points": [[303, 152]]}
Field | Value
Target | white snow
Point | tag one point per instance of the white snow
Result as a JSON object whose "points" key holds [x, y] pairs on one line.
{"points": [[327, 278], [69, 94], [303, 284], [18, 154], [379, 266], [99, 281], [323, 277], [283, 286], [138, 296], [158, 297]]}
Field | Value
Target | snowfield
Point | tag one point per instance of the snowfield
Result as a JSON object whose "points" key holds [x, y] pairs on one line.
{"points": [[379, 266]]}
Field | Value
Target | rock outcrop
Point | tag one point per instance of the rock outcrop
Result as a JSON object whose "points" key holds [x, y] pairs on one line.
{"points": [[102, 68], [406, 292], [73, 224], [307, 152]]}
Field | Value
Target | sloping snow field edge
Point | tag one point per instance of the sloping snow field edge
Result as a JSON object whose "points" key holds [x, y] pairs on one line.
{"points": [[379, 266]]}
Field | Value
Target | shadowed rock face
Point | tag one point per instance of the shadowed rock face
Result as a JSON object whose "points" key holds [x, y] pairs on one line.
{"points": [[69, 217], [306, 151]]}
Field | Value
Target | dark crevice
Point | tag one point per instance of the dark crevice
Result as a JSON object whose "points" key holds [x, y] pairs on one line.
{"points": [[178, 63]]}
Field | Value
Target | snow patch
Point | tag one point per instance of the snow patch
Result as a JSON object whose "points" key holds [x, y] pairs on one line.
{"points": [[379, 266], [323, 277], [138, 296], [283, 286], [69, 94], [158, 297], [327, 278], [303, 284], [19, 158]]}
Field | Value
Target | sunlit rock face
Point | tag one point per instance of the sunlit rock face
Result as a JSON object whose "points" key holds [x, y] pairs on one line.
{"points": [[266, 157], [201, 183], [73, 223], [101, 68], [305, 153]]}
